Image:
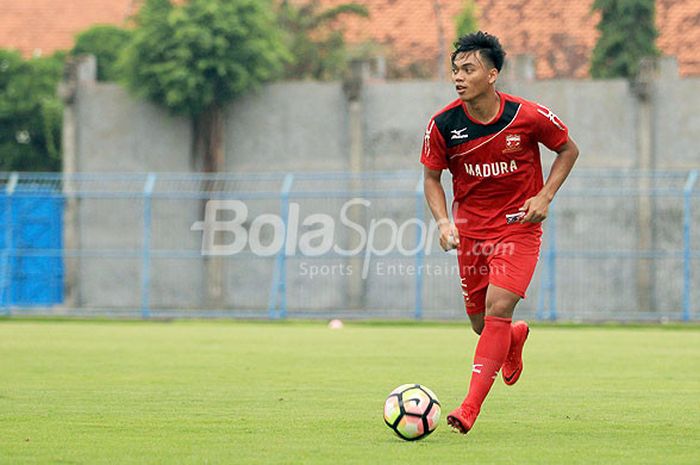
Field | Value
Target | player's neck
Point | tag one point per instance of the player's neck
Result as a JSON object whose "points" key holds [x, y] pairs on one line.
{"points": [[485, 107]]}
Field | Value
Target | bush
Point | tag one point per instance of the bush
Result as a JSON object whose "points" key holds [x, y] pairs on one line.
{"points": [[30, 112], [106, 43]]}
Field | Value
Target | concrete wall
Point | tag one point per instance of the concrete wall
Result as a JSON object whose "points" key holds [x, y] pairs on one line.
{"points": [[289, 127], [305, 126], [117, 132], [395, 117], [676, 135]]}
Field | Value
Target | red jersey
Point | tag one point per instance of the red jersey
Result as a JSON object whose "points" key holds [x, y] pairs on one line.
{"points": [[495, 166]]}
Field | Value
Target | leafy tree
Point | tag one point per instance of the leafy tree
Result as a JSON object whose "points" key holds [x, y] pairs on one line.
{"points": [[627, 34], [30, 112], [466, 21], [106, 42], [318, 46], [196, 57]]}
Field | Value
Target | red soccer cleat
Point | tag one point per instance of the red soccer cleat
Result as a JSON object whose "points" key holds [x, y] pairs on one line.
{"points": [[462, 419], [513, 366]]}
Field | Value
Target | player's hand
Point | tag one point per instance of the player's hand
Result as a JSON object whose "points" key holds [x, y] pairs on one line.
{"points": [[535, 208], [449, 236]]}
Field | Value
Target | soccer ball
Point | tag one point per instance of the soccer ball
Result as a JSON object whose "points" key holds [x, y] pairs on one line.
{"points": [[412, 411]]}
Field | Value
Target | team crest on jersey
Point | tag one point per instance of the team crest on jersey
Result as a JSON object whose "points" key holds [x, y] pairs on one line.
{"points": [[512, 143]]}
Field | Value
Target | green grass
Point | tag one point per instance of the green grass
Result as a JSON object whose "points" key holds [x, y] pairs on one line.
{"points": [[224, 393]]}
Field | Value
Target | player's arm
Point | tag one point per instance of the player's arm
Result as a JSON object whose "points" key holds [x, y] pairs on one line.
{"points": [[536, 207], [435, 196]]}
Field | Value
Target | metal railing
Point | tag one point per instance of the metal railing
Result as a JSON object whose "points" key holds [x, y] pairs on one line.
{"points": [[618, 245]]}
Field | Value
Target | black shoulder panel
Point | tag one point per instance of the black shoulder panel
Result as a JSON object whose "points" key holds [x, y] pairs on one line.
{"points": [[456, 128]]}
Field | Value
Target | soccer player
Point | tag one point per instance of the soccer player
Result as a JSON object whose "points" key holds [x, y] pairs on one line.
{"points": [[489, 142]]}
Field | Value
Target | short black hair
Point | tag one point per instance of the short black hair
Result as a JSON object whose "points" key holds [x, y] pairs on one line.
{"points": [[483, 42]]}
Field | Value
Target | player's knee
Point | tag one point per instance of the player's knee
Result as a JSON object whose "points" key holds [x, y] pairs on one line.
{"points": [[502, 308]]}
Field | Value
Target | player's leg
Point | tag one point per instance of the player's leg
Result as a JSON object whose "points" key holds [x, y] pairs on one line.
{"points": [[477, 320], [507, 266], [473, 270], [475, 274], [500, 302], [490, 353], [512, 267]]}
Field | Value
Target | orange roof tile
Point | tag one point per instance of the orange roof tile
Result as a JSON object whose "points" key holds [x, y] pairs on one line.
{"points": [[44, 26], [678, 22], [561, 35]]}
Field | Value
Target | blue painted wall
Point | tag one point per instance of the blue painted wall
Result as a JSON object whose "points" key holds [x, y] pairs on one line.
{"points": [[31, 245]]}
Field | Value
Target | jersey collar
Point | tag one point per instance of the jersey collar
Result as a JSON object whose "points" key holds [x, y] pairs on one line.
{"points": [[494, 119]]}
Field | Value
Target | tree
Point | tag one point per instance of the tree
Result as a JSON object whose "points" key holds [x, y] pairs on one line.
{"points": [[196, 57], [466, 21], [627, 35], [106, 42], [30, 112], [317, 45]]}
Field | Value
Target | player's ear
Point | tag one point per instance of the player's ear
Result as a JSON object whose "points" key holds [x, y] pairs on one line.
{"points": [[493, 76]]}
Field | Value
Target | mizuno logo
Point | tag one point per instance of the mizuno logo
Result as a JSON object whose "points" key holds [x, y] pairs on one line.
{"points": [[458, 134]]}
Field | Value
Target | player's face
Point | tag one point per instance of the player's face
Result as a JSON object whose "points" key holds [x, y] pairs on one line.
{"points": [[472, 75]]}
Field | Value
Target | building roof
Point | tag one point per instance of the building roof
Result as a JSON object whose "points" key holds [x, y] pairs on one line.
{"points": [[560, 35], [44, 26], [678, 22]]}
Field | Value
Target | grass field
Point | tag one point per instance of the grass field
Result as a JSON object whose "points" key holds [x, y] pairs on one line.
{"points": [[269, 393]]}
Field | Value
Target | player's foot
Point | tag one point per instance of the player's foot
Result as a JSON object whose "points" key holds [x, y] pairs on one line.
{"points": [[462, 419], [513, 366]]}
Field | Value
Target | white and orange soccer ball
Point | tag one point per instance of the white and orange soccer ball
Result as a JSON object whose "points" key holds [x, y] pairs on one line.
{"points": [[412, 411]]}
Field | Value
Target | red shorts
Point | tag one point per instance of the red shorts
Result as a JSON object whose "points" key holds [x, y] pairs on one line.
{"points": [[508, 262]]}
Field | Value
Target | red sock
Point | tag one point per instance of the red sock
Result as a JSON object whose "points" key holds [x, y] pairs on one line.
{"points": [[510, 346], [490, 354]]}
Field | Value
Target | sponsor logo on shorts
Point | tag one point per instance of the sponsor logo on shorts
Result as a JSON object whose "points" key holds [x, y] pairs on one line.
{"points": [[514, 217]]}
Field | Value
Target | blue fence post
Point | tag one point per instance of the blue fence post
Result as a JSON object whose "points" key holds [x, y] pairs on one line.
{"points": [[552, 262], [547, 280], [8, 256], [687, 249], [146, 251], [544, 285], [277, 303], [421, 243]]}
